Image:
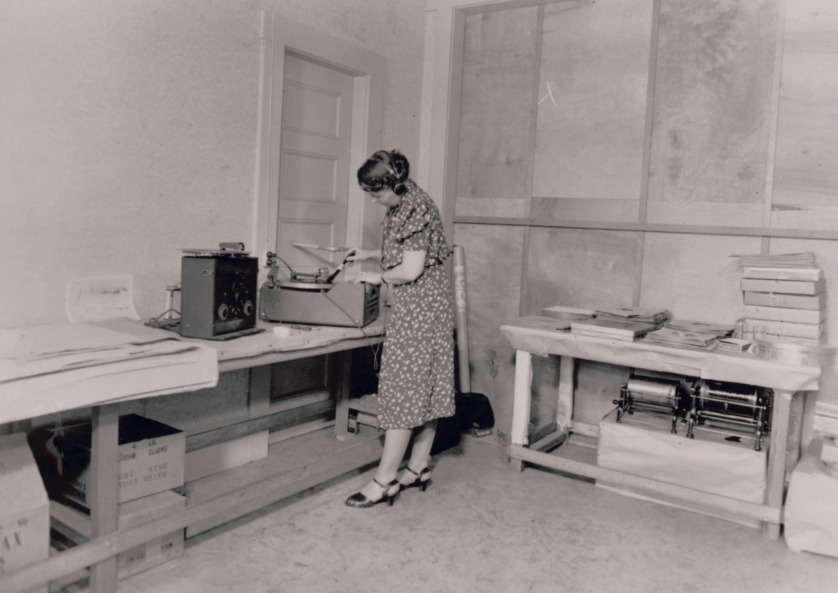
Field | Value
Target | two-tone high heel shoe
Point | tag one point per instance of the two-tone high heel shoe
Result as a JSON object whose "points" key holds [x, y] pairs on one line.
{"points": [[421, 479], [388, 493]]}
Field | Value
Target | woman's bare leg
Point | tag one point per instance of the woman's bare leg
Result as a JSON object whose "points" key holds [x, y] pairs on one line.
{"points": [[396, 441], [420, 454]]}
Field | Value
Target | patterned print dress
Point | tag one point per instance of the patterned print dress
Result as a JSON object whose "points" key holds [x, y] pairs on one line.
{"points": [[416, 384]]}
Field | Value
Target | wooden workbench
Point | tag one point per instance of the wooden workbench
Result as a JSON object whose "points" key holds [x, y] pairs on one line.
{"points": [[534, 336], [256, 352]]}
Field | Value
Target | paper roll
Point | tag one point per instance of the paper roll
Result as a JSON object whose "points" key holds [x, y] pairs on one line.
{"points": [[652, 391], [459, 277]]}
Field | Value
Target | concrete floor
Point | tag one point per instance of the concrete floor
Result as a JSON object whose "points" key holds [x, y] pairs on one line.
{"points": [[482, 527]]}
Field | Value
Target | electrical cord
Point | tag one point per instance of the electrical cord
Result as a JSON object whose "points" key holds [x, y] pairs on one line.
{"points": [[373, 347]]}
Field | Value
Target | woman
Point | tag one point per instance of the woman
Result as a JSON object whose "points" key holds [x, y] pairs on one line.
{"points": [[416, 383]]}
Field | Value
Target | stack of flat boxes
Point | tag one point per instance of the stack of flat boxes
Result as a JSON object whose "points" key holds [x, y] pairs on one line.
{"points": [[784, 302]]}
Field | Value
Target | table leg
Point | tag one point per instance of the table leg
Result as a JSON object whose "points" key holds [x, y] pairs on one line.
{"points": [[259, 394], [775, 487], [521, 402], [343, 381], [103, 492], [564, 409]]}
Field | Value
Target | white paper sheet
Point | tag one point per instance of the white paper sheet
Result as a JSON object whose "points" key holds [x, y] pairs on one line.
{"points": [[74, 365], [706, 463], [96, 299]]}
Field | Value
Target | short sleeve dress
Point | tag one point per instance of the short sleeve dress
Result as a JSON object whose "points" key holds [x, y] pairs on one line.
{"points": [[416, 383]]}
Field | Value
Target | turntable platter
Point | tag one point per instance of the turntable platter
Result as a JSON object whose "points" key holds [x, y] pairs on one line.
{"points": [[302, 285]]}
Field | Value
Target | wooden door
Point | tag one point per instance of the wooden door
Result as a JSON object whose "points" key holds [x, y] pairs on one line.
{"points": [[314, 162]]}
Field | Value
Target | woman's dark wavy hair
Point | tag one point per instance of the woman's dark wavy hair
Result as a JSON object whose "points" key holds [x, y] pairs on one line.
{"points": [[384, 169]]}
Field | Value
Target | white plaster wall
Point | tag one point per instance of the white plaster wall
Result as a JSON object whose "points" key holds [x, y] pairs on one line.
{"points": [[128, 132]]}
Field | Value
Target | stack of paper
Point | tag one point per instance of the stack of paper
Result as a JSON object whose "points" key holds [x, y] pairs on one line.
{"points": [[657, 317], [734, 344], [51, 368], [686, 333], [564, 312], [682, 338], [612, 329], [783, 260], [717, 329]]}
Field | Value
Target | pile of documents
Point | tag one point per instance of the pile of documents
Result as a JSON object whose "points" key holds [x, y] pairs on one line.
{"points": [[657, 317], [784, 295], [52, 368], [611, 329], [783, 260], [689, 334]]}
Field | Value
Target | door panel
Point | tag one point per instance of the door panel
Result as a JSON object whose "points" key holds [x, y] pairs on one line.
{"points": [[314, 162]]}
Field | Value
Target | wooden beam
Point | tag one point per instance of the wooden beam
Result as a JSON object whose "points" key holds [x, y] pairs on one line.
{"points": [[654, 228], [103, 493], [672, 492], [278, 420]]}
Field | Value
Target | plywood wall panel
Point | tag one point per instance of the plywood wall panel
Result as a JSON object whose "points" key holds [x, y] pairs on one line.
{"points": [[806, 175], [493, 256], [694, 276], [815, 217], [580, 268], [592, 99], [493, 207], [497, 106], [572, 209], [713, 84], [722, 214]]}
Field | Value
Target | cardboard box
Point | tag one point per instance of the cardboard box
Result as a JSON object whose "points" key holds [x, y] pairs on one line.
{"points": [[24, 507], [151, 458], [154, 553], [811, 509], [784, 328], [708, 463], [784, 314], [783, 286], [790, 301], [74, 528]]}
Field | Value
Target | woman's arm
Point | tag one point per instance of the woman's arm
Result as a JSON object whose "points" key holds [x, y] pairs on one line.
{"points": [[361, 254], [412, 266]]}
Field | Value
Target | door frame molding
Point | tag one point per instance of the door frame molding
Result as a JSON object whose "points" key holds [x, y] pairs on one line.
{"points": [[280, 35]]}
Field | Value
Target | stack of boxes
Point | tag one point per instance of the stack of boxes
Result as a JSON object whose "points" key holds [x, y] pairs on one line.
{"points": [[24, 508], [783, 298], [811, 509], [150, 467]]}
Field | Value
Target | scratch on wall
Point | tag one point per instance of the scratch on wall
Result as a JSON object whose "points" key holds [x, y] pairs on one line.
{"points": [[490, 359]]}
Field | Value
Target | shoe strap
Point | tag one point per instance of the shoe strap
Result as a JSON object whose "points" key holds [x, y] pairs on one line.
{"points": [[386, 487], [418, 474]]}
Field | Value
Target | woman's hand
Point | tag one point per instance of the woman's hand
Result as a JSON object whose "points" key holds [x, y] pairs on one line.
{"points": [[360, 254], [369, 277]]}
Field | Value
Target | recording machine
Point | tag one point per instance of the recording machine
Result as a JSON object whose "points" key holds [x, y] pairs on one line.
{"points": [[315, 298], [218, 292], [732, 409]]}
